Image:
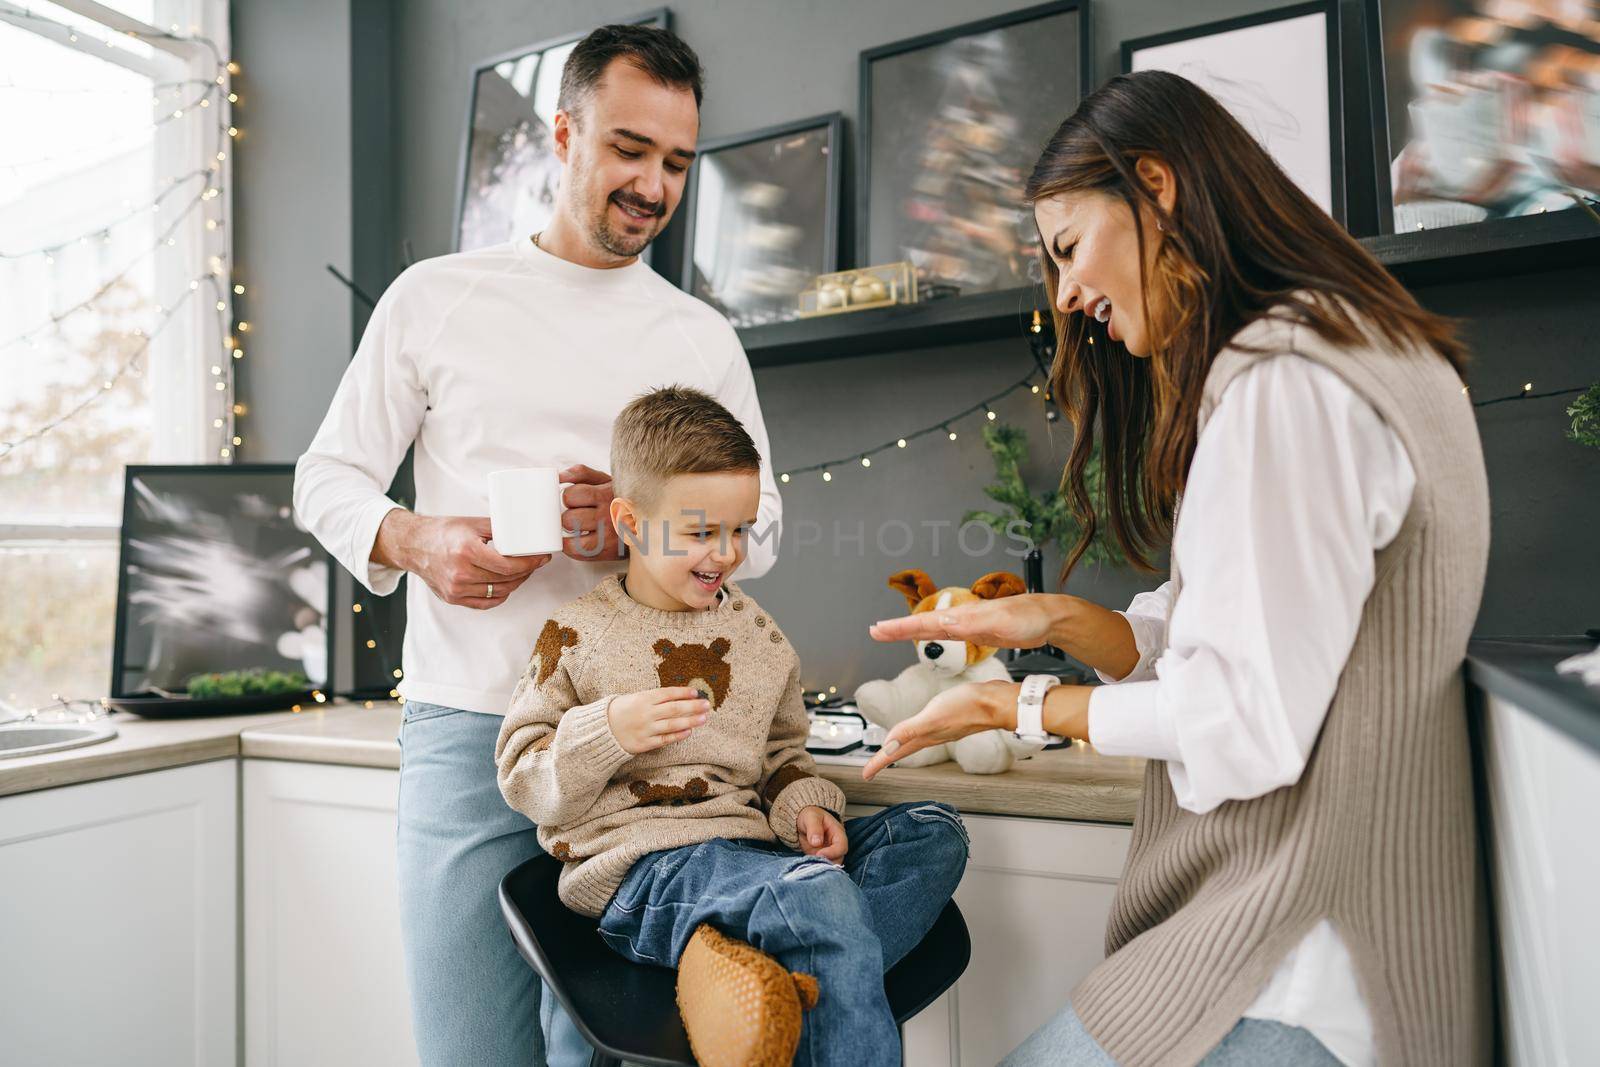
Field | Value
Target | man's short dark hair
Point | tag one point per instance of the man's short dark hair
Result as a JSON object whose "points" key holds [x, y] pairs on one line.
{"points": [[660, 53]]}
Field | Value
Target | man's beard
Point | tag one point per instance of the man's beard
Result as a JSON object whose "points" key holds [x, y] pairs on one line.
{"points": [[626, 245]]}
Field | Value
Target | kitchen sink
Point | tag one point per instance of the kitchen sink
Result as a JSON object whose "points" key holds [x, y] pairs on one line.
{"points": [[31, 739]]}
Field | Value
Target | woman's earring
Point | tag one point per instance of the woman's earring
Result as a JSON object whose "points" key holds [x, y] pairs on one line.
{"points": [[1160, 226]]}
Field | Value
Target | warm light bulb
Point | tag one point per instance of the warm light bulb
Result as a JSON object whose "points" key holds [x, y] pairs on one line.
{"points": [[1527, 387], [233, 68], [224, 453], [238, 441], [233, 98], [238, 290], [397, 672], [865, 462], [952, 435], [990, 415], [900, 443], [784, 478], [221, 306], [1035, 389], [371, 643], [244, 327], [216, 423], [356, 608], [827, 477], [233, 131]]}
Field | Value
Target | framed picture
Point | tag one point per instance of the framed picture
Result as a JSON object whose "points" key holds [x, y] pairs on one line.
{"points": [[217, 574], [950, 125], [762, 218], [1483, 116], [509, 170], [1277, 72]]}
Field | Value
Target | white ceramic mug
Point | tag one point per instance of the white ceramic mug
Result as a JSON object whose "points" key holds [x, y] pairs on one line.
{"points": [[525, 511]]}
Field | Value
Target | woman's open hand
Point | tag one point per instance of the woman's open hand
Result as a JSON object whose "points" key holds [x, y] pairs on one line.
{"points": [[949, 716], [1021, 621]]}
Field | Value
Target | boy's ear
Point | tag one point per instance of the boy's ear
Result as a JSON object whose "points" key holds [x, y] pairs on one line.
{"points": [[914, 584], [625, 519]]}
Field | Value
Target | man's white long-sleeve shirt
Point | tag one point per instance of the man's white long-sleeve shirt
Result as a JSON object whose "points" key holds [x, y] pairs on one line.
{"points": [[1295, 485], [505, 357]]}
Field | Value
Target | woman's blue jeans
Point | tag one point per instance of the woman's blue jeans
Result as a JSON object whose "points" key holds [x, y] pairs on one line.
{"points": [[845, 925], [474, 1001]]}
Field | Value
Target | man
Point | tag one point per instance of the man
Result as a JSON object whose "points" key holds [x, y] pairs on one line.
{"points": [[516, 355]]}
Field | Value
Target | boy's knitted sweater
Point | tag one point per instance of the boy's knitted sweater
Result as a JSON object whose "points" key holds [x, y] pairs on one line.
{"points": [[744, 774]]}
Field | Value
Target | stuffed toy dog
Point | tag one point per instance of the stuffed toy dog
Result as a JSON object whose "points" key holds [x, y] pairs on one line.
{"points": [[944, 664]]}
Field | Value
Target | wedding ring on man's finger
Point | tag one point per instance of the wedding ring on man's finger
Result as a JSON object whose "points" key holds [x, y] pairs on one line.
{"points": [[490, 593]]}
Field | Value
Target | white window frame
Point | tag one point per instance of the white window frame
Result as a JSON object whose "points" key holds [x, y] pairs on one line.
{"points": [[183, 393]]}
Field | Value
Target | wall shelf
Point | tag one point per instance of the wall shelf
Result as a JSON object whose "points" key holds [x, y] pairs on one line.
{"points": [[1497, 248], [1490, 249], [950, 321]]}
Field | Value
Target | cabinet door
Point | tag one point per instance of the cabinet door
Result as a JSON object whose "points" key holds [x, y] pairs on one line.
{"points": [[324, 979], [1035, 896], [1543, 790], [119, 920]]}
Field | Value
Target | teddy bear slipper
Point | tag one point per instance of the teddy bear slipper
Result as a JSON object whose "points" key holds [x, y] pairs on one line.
{"points": [[740, 1007]]}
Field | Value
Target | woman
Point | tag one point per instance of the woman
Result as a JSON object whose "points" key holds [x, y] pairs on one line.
{"points": [[1303, 884]]}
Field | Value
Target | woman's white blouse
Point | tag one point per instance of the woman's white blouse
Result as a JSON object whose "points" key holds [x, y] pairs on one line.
{"points": [[1296, 483]]}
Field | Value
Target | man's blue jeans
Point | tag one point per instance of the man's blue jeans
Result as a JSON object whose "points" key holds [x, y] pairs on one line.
{"points": [[474, 1001], [844, 925]]}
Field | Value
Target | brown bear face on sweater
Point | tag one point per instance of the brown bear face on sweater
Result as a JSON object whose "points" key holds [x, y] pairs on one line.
{"points": [[702, 667], [553, 640]]}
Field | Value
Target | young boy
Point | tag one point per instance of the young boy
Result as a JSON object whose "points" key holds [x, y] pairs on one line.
{"points": [[657, 739]]}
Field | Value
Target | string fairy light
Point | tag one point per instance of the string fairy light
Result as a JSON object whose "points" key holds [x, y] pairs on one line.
{"points": [[1042, 347]]}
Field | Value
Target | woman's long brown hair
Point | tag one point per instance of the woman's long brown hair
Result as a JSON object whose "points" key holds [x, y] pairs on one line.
{"points": [[1242, 238]]}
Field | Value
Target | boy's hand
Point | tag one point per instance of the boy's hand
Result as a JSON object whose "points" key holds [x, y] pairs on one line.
{"points": [[643, 722], [821, 834]]}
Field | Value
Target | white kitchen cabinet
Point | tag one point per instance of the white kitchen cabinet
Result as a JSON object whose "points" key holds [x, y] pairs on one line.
{"points": [[324, 979], [1543, 790], [118, 920], [1035, 896]]}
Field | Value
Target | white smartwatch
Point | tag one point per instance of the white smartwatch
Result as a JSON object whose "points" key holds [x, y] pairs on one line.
{"points": [[1030, 709]]}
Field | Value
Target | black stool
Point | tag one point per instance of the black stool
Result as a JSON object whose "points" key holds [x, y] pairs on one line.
{"points": [[629, 1011]]}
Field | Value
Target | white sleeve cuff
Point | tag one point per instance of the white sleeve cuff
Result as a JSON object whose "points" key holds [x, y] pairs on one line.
{"points": [[375, 576], [1150, 638], [1128, 720]]}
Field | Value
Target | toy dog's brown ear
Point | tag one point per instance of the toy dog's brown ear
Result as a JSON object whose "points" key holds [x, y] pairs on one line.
{"points": [[914, 584], [996, 584]]}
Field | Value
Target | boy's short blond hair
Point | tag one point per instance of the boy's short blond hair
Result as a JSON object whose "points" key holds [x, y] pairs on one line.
{"points": [[675, 430]]}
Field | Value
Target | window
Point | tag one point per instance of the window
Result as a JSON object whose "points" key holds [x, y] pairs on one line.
{"points": [[116, 303]]}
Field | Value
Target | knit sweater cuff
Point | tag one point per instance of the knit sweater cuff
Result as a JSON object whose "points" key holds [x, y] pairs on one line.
{"points": [[585, 740], [802, 793]]}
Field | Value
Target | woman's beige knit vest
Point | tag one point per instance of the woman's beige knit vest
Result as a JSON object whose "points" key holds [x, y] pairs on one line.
{"points": [[1378, 835]]}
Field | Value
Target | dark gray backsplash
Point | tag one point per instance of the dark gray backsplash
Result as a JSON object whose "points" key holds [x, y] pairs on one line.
{"points": [[766, 63]]}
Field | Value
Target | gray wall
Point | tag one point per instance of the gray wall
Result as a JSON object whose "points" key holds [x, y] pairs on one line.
{"points": [[769, 62], [292, 215]]}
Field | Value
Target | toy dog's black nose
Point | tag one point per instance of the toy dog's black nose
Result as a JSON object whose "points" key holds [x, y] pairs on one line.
{"points": [[933, 650]]}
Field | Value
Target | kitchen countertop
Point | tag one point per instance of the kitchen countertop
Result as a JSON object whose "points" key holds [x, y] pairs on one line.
{"points": [[1072, 783], [140, 745], [1523, 671]]}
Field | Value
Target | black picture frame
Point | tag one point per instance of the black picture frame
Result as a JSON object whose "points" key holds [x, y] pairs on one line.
{"points": [[1510, 244], [833, 186], [235, 472], [660, 17], [864, 254], [1342, 126]]}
